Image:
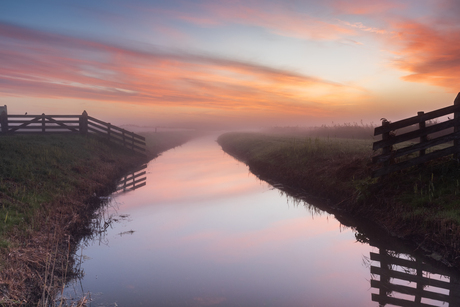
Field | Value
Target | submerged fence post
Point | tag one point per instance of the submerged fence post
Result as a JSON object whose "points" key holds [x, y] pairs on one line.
{"points": [[83, 123], [422, 126], [43, 123], [4, 122], [457, 126], [124, 139]]}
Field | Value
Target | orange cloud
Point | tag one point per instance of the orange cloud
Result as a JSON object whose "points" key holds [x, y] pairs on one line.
{"points": [[39, 64], [366, 7], [430, 53]]}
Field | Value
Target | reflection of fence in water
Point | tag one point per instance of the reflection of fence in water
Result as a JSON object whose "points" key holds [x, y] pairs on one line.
{"points": [[132, 181], [405, 281]]}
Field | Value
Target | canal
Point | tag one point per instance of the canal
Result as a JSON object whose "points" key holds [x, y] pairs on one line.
{"points": [[204, 231]]}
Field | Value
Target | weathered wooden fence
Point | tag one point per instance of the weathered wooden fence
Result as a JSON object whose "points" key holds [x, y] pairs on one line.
{"points": [[389, 139], [83, 124], [404, 281], [132, 181]]}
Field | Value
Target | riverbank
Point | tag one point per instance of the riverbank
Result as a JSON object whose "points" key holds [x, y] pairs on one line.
{"points": [[49, 190], [418, 205]]}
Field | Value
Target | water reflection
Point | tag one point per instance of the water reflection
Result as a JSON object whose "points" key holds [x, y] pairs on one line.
{"points": [[206, 232], [131, 181], [405, 280]]}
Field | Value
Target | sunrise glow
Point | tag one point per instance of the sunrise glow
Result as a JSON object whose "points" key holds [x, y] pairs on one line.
{"points": [[229, 63]]}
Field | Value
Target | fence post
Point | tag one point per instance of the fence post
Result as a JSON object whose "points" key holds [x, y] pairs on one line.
{"points": [[4, 122], [457, 126], [123, 135], [387, 149], [83, 123], [422, 126], [108, 131], [43, 123]]}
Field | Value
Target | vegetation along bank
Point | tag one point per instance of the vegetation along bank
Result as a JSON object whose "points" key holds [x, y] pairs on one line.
{"points": [[49, 192], [419, 204]]}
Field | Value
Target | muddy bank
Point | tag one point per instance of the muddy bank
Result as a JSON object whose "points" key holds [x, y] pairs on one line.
{"points": [[340, 179], [50, 190]]}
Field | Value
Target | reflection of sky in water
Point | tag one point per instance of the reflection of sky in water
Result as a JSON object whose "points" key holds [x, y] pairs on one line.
{"points": [[208, 233]]}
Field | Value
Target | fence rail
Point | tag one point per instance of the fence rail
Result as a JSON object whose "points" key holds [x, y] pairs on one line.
{"points": [[450, 130], [132, 181], [83, 124], [405, 281]]}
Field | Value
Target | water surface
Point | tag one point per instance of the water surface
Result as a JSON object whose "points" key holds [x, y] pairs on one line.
{"points": [[204, 231]]}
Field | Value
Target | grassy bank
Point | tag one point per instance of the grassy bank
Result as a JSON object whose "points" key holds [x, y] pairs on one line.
{"points": [[49, 188], [419, 204]]}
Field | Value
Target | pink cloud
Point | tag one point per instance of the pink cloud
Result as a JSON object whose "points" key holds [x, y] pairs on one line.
{"points": [[366, 7], [269, 15], [429, 53], [40, 64]]}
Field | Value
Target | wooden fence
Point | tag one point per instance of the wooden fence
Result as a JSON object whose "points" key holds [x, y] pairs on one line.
{"points": [[132, 181], [83, 124], [389, 139], [405, 281]]}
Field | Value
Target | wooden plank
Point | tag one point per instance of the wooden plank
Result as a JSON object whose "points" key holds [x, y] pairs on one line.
{"points": [[410, 277], [47, 132], [119, 142], [131, 177], [27, 121], [415, 119], [73, 128], [35, 120], [132, 182], [130, 146], [131, 188], [53, 121], [415, 134], [415, 161], [416, 147], [104, 129], [32, 116], [139, 180], [408, 263], [409, 290], [114, 133], [383, 300], [117, 128]]}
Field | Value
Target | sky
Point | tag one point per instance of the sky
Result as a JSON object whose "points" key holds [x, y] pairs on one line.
{"points": [[230, 63]]}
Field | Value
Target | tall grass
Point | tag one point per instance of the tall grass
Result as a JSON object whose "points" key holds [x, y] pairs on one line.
{"points": [[346, 131]]}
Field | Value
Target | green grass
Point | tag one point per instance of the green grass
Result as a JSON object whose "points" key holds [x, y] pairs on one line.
{"points": [[40, 169]]}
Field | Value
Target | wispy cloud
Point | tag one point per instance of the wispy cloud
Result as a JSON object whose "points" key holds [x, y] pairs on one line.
{"points": [[362, 27], [36, 63], [272, 16], [366, 7]]}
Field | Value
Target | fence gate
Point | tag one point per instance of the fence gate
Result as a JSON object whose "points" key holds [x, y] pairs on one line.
{"points": [[449, 131]]}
